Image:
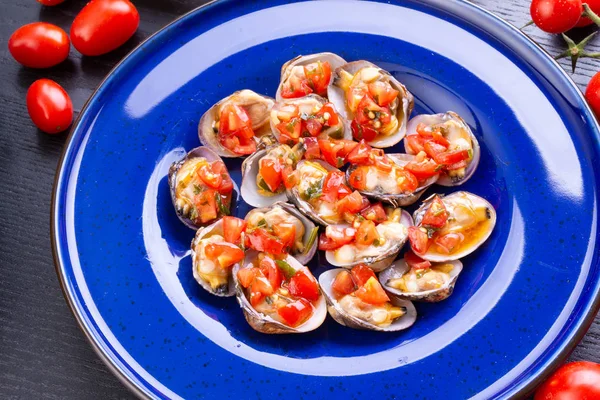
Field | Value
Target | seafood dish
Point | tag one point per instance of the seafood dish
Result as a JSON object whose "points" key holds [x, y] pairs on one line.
{"points": [[320, 179]]}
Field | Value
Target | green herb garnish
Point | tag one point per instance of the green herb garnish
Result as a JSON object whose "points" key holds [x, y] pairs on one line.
{"points": [[314, 191], [286, 268], [262, 223], [222, 208], [311, 239], [197, 189], [263, 185], [337, 134]]}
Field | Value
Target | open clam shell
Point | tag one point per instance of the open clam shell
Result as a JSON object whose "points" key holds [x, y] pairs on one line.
{"points": [[308, 105], [225, 290], [431, 254], [198, 152], [437, 119], [338, 97], [380, 262], [341, 316], [249, 189], [264, 323], [400, 267], [400, 199], [334, 61], [302, 205], [309, 240], [258, 108]]}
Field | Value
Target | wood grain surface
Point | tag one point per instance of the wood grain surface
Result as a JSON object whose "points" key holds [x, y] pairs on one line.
{"points": [[43, 354]]}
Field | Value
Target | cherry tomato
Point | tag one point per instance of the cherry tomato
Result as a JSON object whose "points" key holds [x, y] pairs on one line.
{"points": [[233, 228], [226, 187], [592, 94], [576, 380], [419, 241], [361, 274], [415, 262], [103, 25], [49, 106], [372, 292], [304, 285], [380, 160], [436, 215], [295, 313], [39, 45], [51, 2], [595, 6], [556, 16], [329, 108], [366, 233], [343, 284]]}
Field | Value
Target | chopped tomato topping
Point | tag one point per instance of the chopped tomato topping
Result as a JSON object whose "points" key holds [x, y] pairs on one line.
{"points": [[225, 254], [287, 112], [358, 178], [374, 213], [366, 233], [332, 118], [291, 129], [343, 284], [369, 111], [362, 132], [436, 215], [295, 313], [423, 170], [233, 228], [226, 187], [448, 243], [335, 151], [416, 262], [295, 87], [312, 149], [261, 240], [380, 160], [271, 272], [335, 237], [433, 149], [259, 288], [414, 144], [290, 177], [210, 178], [453, 157], [406, 181], [458, 165], [313, 126], [439, 138], [303, 284], [206, 205], [270, 171], [318, 75], [382, 92], [360, 153], [334, 185], [419, 241], [246, 276], [352, 203], [372, 292], [286, 233], [361, 274], [235, 130]]}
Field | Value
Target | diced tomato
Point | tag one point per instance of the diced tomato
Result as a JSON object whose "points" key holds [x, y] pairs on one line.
{"points": [[367, 106], [303, 284], [312, 149], [414, 144], [329, 150], [424, 131], [270, 171], [235, 130], [374, 213], [439, 138], [261, 240], [366, 233], [361, 274], [295, 87], [314, 127], [287, 112], [295, 313], [246, 276], [206, 205], [291, 128], [383, 93], [359, 154], [436, 215], [453, 157], [380, 160], [333, 118], [290, 177], [354, 95], [458, 165], [259, 288], [433, 149], [406, 181], [360, 132], [206, 174], [226, 187], [335, 237], [256, 298], [343, 284], [415, 262], [334, 181], [358, 178], [237, 145], [286, 232], [419, 241], [448, 243], [224, 254], [352, 203], [233, 228], [318, 75], [372, 292], [271, 272], [348, 147], [423, 170]]}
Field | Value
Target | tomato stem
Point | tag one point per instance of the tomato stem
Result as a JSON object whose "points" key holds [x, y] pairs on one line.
{"points": [[590, 14], [526, 25], [576, 51]]}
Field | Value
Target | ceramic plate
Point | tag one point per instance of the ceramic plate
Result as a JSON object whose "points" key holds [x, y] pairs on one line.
{"points": [[521, 304]]}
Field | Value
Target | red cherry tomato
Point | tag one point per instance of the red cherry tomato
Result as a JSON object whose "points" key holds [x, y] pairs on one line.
{"points": [[595, 6], [103, 25], [556, 16], [49, 106], [576, 380], [51, 2], [592, 94], [39, 45]]}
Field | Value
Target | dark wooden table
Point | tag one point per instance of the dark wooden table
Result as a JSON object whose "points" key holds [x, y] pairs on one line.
{"points": [[42, 352]]}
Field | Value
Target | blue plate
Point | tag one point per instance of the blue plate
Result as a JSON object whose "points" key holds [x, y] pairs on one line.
{"points": [[522, 303]]}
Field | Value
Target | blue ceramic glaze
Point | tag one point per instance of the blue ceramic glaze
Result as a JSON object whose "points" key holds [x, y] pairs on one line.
{"points": [[522, 301]]}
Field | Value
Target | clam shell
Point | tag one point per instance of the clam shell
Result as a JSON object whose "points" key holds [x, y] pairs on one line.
{"points": [[304, 257], [210, 156], [309, 101], [432, 256], [401, 199], [334, 60], [375, 263], [399, 268], [433, 119], [304, 207], [249, 188], [216, 228], [337, 96], [265, 324], [337, 312], [258, 108]]}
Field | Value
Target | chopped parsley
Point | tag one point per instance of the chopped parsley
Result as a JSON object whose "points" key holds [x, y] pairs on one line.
{"points": [[286, 268], [222, 208], [314, 191], [197, 189]]}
